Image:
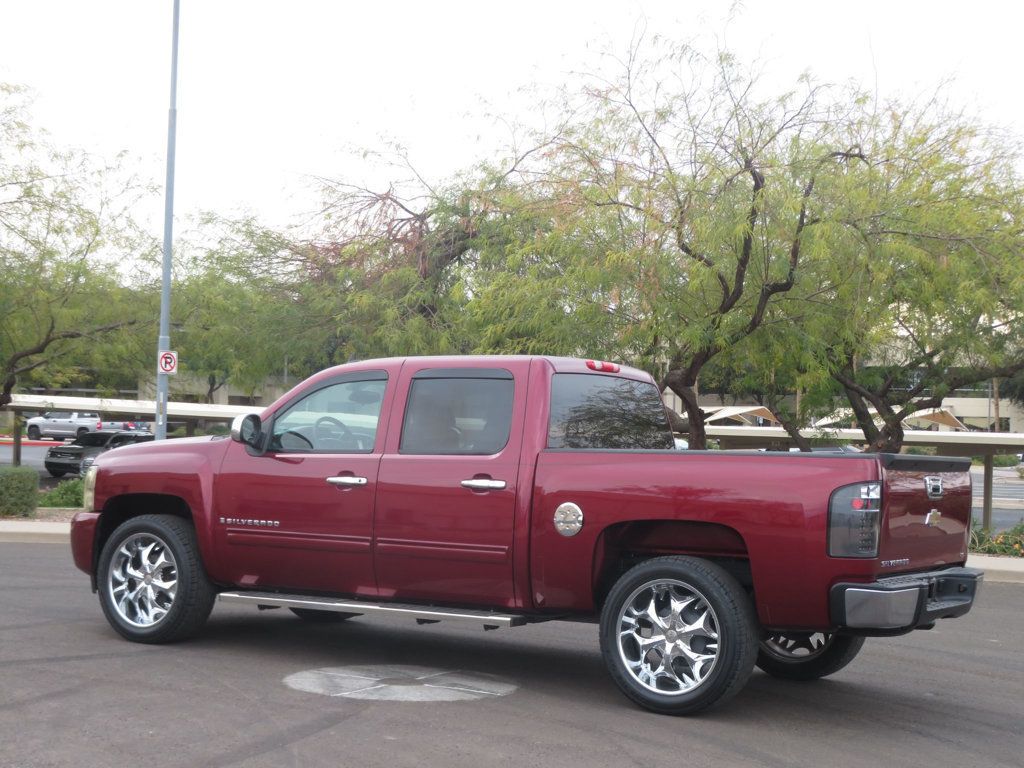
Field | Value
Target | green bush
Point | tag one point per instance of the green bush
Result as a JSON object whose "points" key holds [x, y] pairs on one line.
{"points": [[1009, 542], [19, 490], [66, 494], [919, 450], [1001, 460]]}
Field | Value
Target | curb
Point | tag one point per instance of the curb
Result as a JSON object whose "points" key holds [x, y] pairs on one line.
{"points": [[34, 532], [36, 443], [998, 570]]}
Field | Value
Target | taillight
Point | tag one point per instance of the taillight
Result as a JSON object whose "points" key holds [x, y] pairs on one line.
{"points": [[99, 425], [603, 367], [854, 520]]}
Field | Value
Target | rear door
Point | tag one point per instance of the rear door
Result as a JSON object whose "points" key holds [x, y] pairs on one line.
{"points": [[446, 495]]}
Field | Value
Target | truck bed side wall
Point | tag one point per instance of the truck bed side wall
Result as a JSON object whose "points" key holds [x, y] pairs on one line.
{"points": [[778, 506]]}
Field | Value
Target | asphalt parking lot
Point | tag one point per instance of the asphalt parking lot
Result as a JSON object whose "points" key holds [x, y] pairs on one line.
{"points": [[72, 693]]}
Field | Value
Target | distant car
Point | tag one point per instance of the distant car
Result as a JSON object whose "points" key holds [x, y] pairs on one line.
{"points": [[62, 424], [76, 457]]}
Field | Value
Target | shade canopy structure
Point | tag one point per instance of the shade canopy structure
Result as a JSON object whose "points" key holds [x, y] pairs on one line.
{"points": [[737, 414], [940, 416], [118, 407]]}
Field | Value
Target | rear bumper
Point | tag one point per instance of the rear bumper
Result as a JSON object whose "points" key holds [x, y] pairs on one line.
{"points": [[899, 604]]}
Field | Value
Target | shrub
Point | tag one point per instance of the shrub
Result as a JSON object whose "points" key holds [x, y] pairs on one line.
{"points": [[1009, 542], [19, 490], [66, 494], [1005, 460]]}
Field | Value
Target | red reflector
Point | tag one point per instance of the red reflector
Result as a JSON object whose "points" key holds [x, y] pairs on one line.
{"points": [[600, 365], [857, 503]]}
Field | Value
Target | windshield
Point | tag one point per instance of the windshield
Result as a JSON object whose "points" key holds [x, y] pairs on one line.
{"points": [[92, 440]]}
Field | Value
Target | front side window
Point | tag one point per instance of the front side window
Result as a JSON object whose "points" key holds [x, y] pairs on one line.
{"points": [[339, 418], [606, 412], [452, 416]]}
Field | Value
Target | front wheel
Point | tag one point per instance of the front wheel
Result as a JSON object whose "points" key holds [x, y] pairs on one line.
{"points": [[678, 635], [152, 585], [33, 432], [806, 655]]}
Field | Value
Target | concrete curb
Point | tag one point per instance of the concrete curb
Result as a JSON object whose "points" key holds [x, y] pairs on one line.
{"points": [[36, 443], [1005, 570]]}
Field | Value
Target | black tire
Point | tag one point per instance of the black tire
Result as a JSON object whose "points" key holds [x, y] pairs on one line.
{"points": [[716, 596], [33, 432], [322, 617], [806, 656], [184, 613], [81, 431], [56, 472]]}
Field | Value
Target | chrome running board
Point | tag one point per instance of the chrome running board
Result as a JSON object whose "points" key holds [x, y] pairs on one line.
{"points": [[423, 614]]}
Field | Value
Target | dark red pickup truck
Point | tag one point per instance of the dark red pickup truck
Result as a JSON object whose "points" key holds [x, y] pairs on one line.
{"points": [[507, 490]]}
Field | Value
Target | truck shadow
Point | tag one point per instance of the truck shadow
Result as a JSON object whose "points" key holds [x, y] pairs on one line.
{"points": [[561, 659]]}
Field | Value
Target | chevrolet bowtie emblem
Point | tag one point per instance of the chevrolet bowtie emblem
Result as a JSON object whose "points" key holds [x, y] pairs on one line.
{"points": [[933, 518]]}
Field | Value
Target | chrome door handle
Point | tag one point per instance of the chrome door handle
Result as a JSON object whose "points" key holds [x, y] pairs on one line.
{"points": [[346, 480], [483, 484]]}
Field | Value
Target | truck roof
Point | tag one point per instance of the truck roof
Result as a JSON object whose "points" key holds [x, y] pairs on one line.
{"points": [[559, 364]]}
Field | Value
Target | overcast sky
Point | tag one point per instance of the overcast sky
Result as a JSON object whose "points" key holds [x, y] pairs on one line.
{"points": [[273, 92]]}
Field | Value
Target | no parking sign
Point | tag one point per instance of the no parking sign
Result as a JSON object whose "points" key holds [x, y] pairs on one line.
{"points": [[167, 362]]}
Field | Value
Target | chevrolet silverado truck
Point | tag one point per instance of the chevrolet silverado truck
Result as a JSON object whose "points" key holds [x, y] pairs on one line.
{"points": [[502, 491]]}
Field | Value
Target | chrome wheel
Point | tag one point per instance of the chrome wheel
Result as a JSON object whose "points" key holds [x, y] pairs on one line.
{"points": [[668, 636], [796, 646], [142, 580]]}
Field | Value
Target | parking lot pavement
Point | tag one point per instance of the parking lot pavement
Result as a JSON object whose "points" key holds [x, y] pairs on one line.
{"points": [[73, 694]]}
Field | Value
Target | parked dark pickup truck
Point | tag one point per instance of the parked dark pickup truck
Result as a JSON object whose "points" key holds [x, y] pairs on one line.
{"points": [[508, 490]]}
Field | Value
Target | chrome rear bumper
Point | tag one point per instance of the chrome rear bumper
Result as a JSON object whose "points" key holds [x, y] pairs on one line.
{"points": [[902, 603]]}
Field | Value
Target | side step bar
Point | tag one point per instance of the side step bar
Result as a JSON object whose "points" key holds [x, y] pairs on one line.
{"points": [[422, 614]]}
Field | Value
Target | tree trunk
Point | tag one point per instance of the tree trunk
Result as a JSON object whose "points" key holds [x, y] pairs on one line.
{"points": [[684, 389]]}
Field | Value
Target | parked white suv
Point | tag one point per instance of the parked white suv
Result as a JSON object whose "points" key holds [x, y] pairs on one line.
{"points": [[63, 424]]}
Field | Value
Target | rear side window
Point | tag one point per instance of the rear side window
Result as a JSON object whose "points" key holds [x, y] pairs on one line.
{"points": [[589, 411], [450, 416]]}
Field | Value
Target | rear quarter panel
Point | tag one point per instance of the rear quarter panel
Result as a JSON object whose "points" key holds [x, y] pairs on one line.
{"points": [[778, 504]]}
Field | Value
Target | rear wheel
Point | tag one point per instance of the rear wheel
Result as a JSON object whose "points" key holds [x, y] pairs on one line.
{"points": [[678, 635], [81, 431], [322, 617], [806, 655], [152, 585]]}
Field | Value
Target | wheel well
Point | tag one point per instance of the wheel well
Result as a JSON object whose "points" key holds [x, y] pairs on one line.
{"points": [[121, 508], [622, 546]]}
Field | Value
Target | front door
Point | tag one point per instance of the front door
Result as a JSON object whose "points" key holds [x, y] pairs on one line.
{"points": [[299, 517], [446, 494]]}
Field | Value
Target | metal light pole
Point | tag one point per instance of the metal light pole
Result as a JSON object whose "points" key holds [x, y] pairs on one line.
{"points": [[164, 341]]}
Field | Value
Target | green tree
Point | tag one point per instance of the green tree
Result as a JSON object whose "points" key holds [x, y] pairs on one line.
{"points": [[64, 229]]}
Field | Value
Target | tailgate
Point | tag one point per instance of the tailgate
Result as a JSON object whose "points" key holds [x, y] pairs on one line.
{"points": [[926, 511]]}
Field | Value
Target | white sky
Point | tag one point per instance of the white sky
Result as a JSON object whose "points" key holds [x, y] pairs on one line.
{"points": [[273, 92]]}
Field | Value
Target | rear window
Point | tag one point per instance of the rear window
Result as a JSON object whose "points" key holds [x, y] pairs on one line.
{"points": [[589, 411], [449, 416]]}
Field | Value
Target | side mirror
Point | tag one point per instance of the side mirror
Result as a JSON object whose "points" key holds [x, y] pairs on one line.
{"points": [[246, 429]]}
